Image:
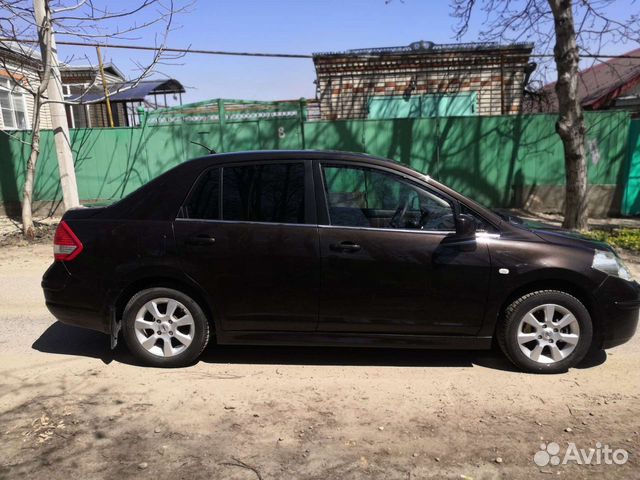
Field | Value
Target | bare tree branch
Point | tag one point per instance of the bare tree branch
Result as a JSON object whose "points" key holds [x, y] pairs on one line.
{"points": [[86, 19], [569, 29]]}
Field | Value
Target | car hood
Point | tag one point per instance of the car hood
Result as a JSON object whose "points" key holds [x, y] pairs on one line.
{"points": [[557, 235], [560, 236]]}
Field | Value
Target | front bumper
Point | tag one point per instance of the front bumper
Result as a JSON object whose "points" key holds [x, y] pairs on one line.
{"points": [[72, 301], [618, 302]]}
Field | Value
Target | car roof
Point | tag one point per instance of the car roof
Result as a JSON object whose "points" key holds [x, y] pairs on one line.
{"points": [[252, 155]]}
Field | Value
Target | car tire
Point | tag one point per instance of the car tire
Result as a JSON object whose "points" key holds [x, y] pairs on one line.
{"points": [[163, 327], [546, 331]]}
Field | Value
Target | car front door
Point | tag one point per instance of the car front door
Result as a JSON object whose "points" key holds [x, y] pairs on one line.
{"points": [[247, 234], [391, 262]]}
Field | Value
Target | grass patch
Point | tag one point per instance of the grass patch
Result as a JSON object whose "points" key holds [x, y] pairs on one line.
{"points": [[627, 238]]}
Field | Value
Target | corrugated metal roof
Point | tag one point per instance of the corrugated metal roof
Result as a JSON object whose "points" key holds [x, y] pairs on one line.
{"points": [[132, 92], [601, 84], [423, 46], [28, 51]]}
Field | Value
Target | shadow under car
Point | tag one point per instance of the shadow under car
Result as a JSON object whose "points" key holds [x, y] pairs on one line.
{"points": [[63, 339]]}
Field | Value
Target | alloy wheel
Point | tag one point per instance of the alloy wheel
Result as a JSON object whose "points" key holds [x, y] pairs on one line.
{"points": [[164, 327], [548, 333]]}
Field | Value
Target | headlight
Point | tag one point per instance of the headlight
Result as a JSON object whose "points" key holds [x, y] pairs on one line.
{"points": [[609, 263]]}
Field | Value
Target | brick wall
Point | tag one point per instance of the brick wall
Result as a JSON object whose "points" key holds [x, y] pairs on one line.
{"points": [[345, 82]]}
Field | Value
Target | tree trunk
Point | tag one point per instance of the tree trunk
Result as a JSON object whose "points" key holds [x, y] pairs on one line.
{"points": [[27, 194], [570, 125], [44, 39]]}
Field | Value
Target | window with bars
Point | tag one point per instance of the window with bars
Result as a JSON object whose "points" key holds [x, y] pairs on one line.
{"points": [[13, 106]]}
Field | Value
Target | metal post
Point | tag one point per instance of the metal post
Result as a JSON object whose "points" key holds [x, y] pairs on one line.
{"points": [[142, 116], [57, 110], [105, 87], [303, 116], [222, 122]]}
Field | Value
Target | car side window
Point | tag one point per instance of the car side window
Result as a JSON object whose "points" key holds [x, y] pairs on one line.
{"points": [[365, 197], [204, 202], [264, 193]]}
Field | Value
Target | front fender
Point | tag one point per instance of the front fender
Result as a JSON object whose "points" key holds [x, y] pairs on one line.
{"points": [[520, 267]]}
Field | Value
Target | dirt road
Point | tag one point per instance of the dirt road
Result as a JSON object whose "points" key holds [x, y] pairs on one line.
{"points": [[72, 409]]}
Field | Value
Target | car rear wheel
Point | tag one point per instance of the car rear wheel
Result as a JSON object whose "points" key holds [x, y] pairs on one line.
{"points": [[165, 328], [546, 331]]}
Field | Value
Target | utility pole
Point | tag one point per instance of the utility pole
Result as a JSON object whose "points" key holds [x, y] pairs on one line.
{"points": [[58, 113]]}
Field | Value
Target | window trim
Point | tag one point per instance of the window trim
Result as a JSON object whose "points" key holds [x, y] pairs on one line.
{"points": [[310, 217], [12, 94], [243, 222], [391, 230], [324, 219]]}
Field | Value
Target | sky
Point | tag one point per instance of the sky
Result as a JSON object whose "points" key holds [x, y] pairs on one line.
{"points": [[287, 26]]}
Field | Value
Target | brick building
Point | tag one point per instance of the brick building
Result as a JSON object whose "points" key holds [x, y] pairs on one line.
{"points": [[423, 80]]}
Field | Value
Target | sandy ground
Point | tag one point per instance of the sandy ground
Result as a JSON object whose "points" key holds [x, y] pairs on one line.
{"points": [[72, 409]]}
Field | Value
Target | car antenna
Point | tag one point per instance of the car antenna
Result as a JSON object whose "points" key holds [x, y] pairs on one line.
{"points": [[210, 150]]}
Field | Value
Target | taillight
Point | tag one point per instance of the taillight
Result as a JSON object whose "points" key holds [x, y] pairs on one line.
{"points": [[66, 246]]}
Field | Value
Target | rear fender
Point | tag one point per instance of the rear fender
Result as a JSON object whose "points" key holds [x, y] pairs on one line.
{"points": [[157, 277]]}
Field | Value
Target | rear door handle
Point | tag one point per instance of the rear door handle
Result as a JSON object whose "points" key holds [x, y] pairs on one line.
{"points": [[203, 239], [348, 247]]}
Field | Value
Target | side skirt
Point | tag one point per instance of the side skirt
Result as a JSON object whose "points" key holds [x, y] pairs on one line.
{"points": [[381, 340]]}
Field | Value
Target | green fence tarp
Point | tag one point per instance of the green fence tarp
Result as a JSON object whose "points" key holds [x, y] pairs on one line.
{"points": [[484, 157]]}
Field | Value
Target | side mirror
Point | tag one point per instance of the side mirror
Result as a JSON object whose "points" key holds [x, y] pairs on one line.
{"points": [[465, 226]]}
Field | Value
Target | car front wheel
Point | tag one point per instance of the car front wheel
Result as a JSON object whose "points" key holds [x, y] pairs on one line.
{"points": [[546, 331], [163, 327]]}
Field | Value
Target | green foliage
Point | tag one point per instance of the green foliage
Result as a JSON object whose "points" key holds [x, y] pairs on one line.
{"points": [[628, 238]]}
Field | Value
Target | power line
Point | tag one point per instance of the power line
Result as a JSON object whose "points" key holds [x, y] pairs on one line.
{"points": [[275, 55], [172, 50]]}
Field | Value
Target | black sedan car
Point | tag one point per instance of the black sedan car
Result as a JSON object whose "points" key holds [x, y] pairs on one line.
{"points": [[331, 248]]}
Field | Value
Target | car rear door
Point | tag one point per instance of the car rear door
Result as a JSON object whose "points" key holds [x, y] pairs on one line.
{"points": [[385, 274], [248, 235]]}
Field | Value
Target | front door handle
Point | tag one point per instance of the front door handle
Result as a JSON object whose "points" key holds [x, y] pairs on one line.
{"points": [[348, 247], [203, 239]]}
